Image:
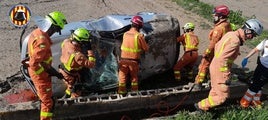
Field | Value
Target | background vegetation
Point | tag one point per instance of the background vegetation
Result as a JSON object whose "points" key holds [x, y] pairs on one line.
{"points": [[235, 17], [228, 112], [232, 112]]}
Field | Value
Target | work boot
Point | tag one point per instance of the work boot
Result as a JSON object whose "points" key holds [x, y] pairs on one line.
{"points": [[244, 103], [197, 110], [124, 95], [177, 75], [65, 96], [76, 94]]}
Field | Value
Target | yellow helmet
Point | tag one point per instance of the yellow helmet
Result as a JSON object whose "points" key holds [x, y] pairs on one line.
{"points": [[81, 34], [57, 18], [188, 26]]}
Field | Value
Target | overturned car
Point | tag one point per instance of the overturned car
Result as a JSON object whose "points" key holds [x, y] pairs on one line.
{"points": [[160, 32]]}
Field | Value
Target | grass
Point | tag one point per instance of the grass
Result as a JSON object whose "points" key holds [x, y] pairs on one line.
{"points": [[229, 113], [205, 10], [255, 41]]}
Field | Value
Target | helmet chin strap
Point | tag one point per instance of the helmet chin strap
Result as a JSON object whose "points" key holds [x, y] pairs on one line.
{"points": [[59, 32], [57, 29], [216, 19], [241, 41]]}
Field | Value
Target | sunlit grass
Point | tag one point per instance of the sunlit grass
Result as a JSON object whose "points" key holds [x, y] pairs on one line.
{"points": [[232, 112], [205, 10]]}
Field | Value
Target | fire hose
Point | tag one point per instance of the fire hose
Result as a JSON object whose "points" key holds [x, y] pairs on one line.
{"points": [[167, 111]]}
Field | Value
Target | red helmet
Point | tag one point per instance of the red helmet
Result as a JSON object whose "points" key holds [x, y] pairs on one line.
{"points": [[137, 20], [221, 10]]}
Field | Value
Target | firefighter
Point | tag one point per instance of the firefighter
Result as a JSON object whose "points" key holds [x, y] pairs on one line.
{"points": [[260, 76], [221, 26], [73, 60], [226, 51], [132, 46], [40, 69], [190, 44]]}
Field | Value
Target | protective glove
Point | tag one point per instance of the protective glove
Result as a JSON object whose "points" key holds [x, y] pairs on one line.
{"points": [[149, 40], [53, 72], [244, 62], [91, 56], [90, 53], [205, 55]]}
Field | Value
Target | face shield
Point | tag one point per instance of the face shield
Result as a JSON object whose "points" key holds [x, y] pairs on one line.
{"points": [[249, 34], [216, 18], [42, 23]]}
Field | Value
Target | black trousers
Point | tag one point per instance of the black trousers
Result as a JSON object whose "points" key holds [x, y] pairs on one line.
{"points": [[260, 77]]}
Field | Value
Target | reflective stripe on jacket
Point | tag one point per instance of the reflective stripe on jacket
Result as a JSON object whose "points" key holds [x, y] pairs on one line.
{"points": [[226, 51], [189, 40], [221, 28], [72, 57], [133, 44], [39, 51], [128, 48]]}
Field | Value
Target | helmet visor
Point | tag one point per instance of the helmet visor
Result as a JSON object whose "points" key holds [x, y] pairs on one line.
{"points": [[80, 39], [254, 34]]}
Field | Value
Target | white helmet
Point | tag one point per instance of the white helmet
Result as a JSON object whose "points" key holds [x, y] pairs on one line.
{"points": [[255, 25]]}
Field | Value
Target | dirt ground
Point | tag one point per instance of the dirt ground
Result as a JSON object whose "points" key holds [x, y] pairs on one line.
{"points": [[248, 8], [92, 9]]}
